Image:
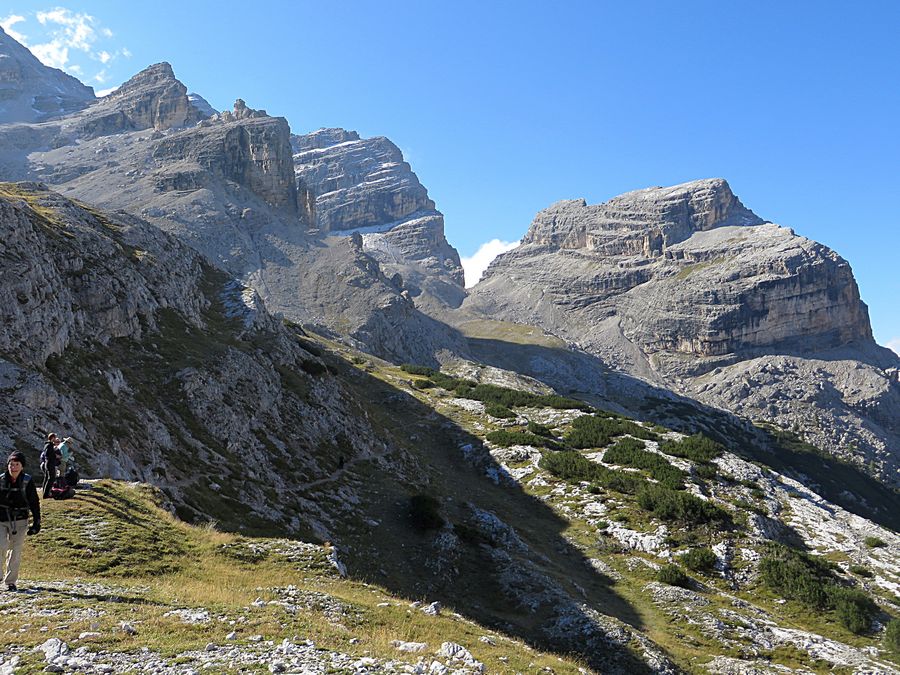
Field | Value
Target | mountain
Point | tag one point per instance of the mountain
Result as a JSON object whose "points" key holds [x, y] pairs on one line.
{"points": [[603, 450], [32, 92], [226, 185], [688, 289], [363, 185]]}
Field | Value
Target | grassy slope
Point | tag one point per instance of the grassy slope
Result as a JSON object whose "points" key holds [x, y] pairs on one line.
{"points": [[112, 554]]}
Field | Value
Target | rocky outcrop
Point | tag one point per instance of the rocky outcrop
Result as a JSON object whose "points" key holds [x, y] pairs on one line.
{"points": [[245, 146], [640, 222], [357, 183], [152, 99], [347, 184], [671, 284], [160, 366], [33, 92]]}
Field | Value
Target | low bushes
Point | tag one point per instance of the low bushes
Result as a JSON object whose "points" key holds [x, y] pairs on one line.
{"points": [[592, 431], [874, 542], [540, 429], [505, 438], [424, 511], [811, 581], [574, 467], [892, 635], [672, 575], [698, 448], [699, 559], [413, 369], [630, 452], [499, 411], [491, 393], [680, 507]]}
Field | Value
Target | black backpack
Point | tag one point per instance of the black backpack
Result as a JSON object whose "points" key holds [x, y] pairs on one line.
{"points": [[61, 489], [71, 477]]}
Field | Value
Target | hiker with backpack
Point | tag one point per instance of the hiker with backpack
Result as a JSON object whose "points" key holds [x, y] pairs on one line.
{"points": [[18, 496], [65, 455], [50, 459]]}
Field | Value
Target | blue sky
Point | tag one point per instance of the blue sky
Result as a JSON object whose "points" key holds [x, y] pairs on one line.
{"points": [[505, 107]]}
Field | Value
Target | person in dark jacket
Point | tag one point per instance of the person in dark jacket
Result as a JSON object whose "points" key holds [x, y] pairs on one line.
{"points": [[50, 463], [18, 496]]}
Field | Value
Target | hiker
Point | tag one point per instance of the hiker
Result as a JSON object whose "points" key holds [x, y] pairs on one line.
{"points": [[49, 463], [65, 454], [18, 496]]}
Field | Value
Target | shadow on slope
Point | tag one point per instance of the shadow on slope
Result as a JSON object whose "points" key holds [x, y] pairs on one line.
{"points": [[504, 562]]}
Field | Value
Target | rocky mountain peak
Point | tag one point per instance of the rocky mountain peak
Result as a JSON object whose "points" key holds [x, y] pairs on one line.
{"points": [[33, 92], [652, 218], [154, 98], [241, 112]]}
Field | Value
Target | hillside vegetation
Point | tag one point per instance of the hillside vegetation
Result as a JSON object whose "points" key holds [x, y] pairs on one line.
{"points": [[112, 574]]}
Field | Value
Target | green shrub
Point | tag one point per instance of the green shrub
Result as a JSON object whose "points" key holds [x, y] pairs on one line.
{"points": [[505, 438], [593, 431], [413, 369], [861, 571], [423, 384], [672, 575], [854, 609], [630, 452], [424, 511], [875, 542], [540, 429], [892, 635], [797, 576], [698, 448], [313, 367], [706, 470], [680, 507], [811, 580], [699, 559], [499, 411], [574, 467]]}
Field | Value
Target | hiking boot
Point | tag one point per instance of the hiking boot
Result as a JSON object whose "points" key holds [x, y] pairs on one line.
{"points": [[11, 587]]}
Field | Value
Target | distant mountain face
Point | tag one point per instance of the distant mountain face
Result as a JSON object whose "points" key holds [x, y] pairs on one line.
{"points": [[349, 184], [681, 286], [686, 287], [225, 183], [32, 92]]}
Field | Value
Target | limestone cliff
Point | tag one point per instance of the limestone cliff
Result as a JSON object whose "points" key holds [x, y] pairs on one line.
{"points": [[349, 184], [672, 283]]}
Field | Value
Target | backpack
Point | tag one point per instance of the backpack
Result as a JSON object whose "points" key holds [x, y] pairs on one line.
{"points": [[61, 489], [71, 477], [21, 512]]}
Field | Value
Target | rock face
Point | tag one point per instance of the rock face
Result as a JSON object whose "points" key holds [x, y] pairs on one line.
{"points": [[32, 92], [348, 184], [225, 184], [159, 365], [673, 283], [153, 98]]}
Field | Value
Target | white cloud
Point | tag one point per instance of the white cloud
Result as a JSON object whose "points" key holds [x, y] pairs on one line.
{"points": [[475, 265], [894, 345], [53, 54], [105, 92], [75, 30], [65, 35], [7, 25]]}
